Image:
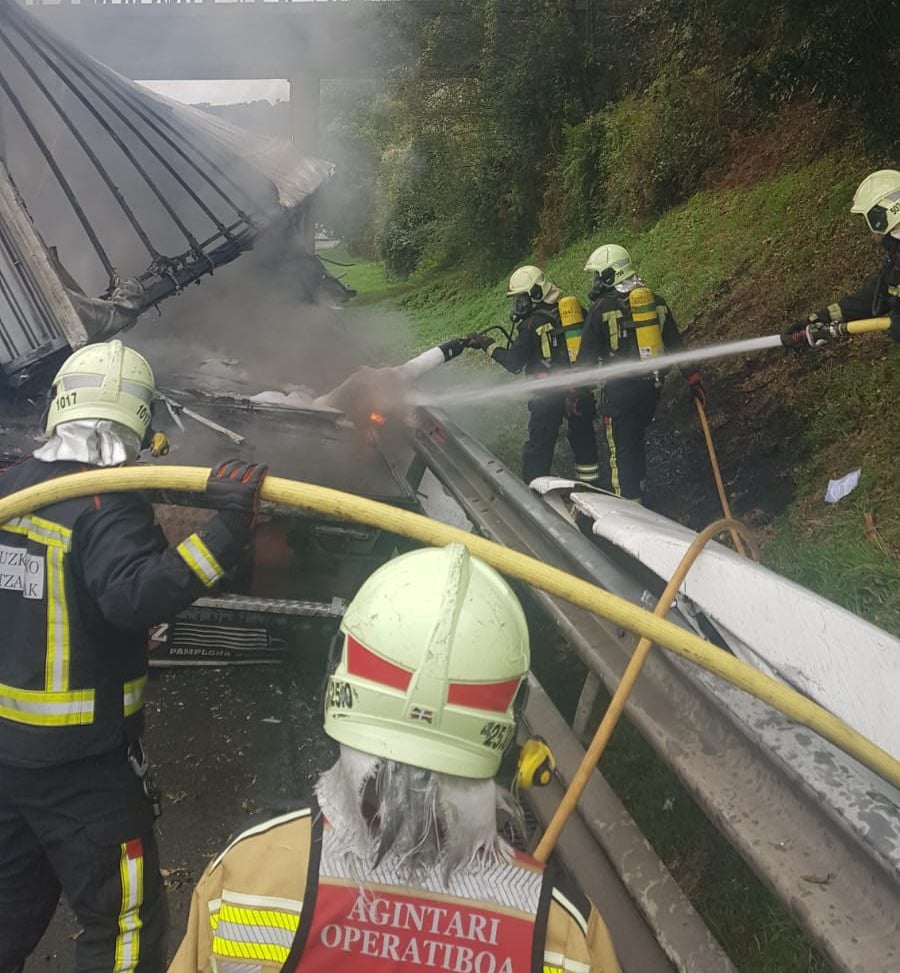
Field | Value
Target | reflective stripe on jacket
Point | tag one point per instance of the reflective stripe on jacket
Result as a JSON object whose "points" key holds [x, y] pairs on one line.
{"points": [[278, 898], [80, 583]]}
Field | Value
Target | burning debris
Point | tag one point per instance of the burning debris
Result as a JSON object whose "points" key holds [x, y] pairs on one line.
{"points": [[372, 395]]}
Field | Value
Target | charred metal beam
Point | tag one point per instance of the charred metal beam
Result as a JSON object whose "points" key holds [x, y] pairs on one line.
{"points": [[88, 151], [63, 56], [64, 184]]}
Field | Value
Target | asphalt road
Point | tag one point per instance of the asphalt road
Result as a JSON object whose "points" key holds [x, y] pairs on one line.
{"points": [[227, 745]]}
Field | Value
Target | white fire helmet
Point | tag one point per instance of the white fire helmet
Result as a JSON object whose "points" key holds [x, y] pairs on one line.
{"points": [[531, 281], [103, 381], [435, 653], [878, 200], [612, 263]]}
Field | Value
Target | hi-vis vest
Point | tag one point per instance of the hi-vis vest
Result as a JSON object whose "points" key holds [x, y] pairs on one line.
{"points": [[280, 899], [484, 920], [61, 696]]}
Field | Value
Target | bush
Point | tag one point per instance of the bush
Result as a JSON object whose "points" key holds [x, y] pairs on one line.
{"points": [[657, 148]]}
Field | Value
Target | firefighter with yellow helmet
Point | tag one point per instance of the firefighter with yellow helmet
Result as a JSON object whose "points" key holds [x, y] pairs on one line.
{"points": [[548, 333], [404, 868], [877, 200], [626, 320], [81, 581]]}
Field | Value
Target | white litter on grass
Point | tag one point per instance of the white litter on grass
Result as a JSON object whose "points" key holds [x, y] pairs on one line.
{"points": [[838, 489], [271, 719]]}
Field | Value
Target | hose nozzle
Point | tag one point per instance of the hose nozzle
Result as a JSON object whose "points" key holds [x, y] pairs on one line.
{"points": [[818, 333]]}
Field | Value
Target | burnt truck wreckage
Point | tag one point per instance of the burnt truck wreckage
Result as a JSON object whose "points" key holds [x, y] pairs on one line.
{"points": [[113, 200]]}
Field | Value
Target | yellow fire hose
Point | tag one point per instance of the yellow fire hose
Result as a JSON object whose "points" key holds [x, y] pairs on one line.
{"points": [[629, 677], [512, 563], [866, 325], [717, 474]]}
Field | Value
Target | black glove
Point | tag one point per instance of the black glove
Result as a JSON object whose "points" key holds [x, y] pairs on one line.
{"points": [[479, 340], [233, 489], [894, 330], [697, 389], [453, 348]]}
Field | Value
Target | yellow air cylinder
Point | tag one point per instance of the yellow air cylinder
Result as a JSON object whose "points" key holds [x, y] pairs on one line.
{"points": [[647, 329], [571, 316]]}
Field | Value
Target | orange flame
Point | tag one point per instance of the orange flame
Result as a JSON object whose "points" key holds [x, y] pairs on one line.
{"points": [[377, 418]]}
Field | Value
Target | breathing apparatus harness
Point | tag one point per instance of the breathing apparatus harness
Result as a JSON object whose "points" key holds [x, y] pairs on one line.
{"points": [[637, 316]]}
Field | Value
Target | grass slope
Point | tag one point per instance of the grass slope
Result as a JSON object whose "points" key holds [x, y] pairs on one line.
{"points": [[735, 263]]}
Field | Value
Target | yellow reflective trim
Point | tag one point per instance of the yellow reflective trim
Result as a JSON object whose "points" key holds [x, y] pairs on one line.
{"points": [[40, 531], [613, 461], [243, 950], [835, 313], [612, 323], [128, 938], [56, 666], [259, 917], [38, 707], [245, 932], [133, 695], [200, 560], [543, 332]]}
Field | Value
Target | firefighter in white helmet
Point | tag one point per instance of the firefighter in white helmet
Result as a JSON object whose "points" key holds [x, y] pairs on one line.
{"points": [[404, 868], [877, 200], [626, 320], [541, 347], [82, 581]]}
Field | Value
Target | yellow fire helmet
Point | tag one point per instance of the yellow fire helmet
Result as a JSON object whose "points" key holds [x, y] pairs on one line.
{"points": [[612, 263], [435, 652], [878, 199], [103, 381]]}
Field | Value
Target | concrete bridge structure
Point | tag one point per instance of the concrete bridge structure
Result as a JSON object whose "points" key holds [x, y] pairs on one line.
{"points": [[303, 42]]}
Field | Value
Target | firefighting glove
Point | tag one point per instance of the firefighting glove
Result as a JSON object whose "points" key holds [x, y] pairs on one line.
{"points": [[697, 389], [233, 489], [894, 330], [478, 340], [453, 348]]}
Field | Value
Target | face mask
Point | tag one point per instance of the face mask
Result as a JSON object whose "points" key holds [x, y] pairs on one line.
{"points": [[521, 307]]}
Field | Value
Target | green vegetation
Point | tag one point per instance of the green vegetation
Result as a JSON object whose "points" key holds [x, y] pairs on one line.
{"points": [[720, 142], [748, 283], [759, 268]]}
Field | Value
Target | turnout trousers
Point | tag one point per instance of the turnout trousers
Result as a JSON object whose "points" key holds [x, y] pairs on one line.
{"points": [[84, 828], [546, 413], [623, 429]]}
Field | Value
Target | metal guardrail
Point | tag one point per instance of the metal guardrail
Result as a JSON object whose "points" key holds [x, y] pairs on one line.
{"points": [[821, 832]]}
